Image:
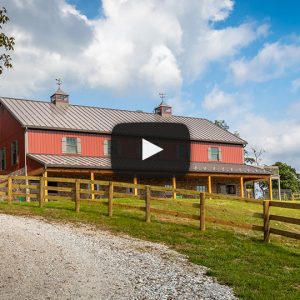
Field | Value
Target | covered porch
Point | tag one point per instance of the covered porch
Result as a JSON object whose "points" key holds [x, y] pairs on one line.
{"points": [[229, 179]]}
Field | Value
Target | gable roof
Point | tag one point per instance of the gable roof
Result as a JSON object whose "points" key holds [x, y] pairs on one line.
{"points": [[45, 115]]}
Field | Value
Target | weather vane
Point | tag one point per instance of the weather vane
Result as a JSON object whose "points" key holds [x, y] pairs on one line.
{"points": [[162, 96], [58, 82]]}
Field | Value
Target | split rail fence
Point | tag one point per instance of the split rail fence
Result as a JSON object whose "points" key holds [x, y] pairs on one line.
{"points": [[41, 189], [296, 196]]}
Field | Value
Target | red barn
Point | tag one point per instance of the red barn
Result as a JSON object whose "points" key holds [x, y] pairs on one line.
{"points": [[72, 140]]}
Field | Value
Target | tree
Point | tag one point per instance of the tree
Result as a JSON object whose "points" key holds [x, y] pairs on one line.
{"points": [[6, 42], [288, 177], [255, 156], [236, 133], [222, 124]]}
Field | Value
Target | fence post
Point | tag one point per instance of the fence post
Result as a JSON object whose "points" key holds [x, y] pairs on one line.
{"points": [[110, 198], [77, 195], [27, 191], [174, 187], [148, 200], [9, 190], [42, 192], [202, 211], [266, 211], [45, 174]]}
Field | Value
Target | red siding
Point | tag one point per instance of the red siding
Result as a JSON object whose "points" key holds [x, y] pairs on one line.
{"points": [[230, 153], [49, 142], [32, 165], [11, 130]]}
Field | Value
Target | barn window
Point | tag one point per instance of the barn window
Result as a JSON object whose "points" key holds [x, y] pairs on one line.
{"points": [[14, 153], [201, 188], [107, 147], [71, 145], [231, 189], [214, 153], [110, 147], [3, 159]]}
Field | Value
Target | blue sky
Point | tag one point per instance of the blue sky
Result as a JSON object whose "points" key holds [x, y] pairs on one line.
{"points": [[218, 59]]}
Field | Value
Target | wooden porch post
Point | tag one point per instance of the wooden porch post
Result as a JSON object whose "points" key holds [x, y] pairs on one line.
{"points": [[209, 185], [279, 189], [270, 188], [242, 187], [92, 185], [135, 182], [45, 174], [174, 187]]}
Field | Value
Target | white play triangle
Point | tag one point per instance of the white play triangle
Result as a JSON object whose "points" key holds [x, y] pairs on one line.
{"points": [[149, 149]]}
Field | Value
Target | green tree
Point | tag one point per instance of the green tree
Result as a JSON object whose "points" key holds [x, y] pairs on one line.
{"points": [[288, 177], [222, 124], [5, 42]]}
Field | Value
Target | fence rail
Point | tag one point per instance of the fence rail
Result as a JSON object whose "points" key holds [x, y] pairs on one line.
{"points": [[81, 191], [296, 196]]}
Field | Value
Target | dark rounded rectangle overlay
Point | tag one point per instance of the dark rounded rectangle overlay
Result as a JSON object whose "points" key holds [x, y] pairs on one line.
{"points": [[126, 149]]}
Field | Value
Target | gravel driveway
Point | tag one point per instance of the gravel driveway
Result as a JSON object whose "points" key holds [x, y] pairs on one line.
{"points": [[41, 260]]}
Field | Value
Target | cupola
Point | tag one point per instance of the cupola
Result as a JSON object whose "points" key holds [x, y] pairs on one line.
{"points": [[163, 109], [59, 97]]}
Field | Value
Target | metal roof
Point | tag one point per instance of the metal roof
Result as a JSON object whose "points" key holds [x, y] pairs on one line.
{"points": [[46, 115], [89, 162]]}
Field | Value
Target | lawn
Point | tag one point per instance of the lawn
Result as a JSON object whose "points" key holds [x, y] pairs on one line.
{"points": [[238, 258]]}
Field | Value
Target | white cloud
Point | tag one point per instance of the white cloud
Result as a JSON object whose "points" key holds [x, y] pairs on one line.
{"points": [[296, 85], [221, 103], [215, 45], [161, 70], [217, 99], [280, 138], [47, 45], [148, 44], [272, 61], [182, 106]]}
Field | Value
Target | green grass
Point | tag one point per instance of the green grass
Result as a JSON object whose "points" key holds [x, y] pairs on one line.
{"points": [[235, 257]]}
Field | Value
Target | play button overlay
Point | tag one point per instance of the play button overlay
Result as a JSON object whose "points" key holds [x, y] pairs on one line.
{"points": [[150, 149]]}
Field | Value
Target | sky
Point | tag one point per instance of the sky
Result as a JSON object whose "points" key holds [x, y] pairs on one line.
{"points": [[237, 61]]}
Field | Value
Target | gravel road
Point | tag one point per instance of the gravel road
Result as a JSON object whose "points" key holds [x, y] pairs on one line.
{"points": [[41, 260]]}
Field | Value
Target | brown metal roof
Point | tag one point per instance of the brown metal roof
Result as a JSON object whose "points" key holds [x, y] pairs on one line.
{"points": [[88, 162], [40, 114]]}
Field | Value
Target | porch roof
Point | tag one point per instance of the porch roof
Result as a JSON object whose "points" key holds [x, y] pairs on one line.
{"points": [[91, 162]]}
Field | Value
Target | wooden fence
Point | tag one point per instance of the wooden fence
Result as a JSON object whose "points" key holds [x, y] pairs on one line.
{"points": [[295, 196], [80, 191]]}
